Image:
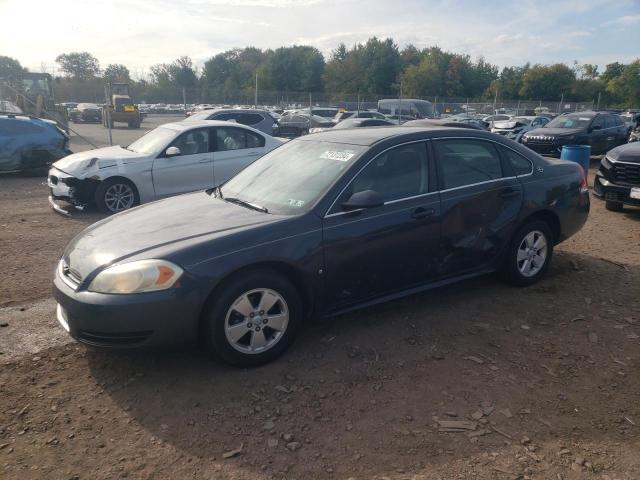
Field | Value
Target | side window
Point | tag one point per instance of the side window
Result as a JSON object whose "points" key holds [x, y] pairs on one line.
{"points": [[222, 116], [598, 122], [465, 162], [250, 118], [399, 173], [618, 120], [229, 138], [520, 165], [254, 140], [193, 142], [610, 121], [365, 115]]}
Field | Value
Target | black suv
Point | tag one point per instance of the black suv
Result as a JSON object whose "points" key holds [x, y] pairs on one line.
{"points": [[618, 178], [603, 131]]}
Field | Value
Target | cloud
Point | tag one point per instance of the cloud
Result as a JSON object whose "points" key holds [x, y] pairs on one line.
{"points": [[624, 20]]}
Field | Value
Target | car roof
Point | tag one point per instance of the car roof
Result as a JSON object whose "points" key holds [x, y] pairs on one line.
{"points": [[189, 124], [371, 135]]}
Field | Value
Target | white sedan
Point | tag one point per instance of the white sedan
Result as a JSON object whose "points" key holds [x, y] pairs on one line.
{"points": [[171, 159]]}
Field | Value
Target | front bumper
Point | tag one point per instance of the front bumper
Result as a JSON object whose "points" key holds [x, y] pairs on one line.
{"points": [[614, 192], [147, 320], [64, 187]]}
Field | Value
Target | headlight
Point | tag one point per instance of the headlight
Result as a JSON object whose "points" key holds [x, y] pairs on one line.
{"points": [[137, 277]]}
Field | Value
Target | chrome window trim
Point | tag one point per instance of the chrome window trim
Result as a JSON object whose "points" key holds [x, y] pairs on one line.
{"points": [[327, 214], [424, 140], [390, 202], [478, 183]]}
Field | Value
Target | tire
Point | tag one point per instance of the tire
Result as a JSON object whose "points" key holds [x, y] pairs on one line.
{"points": [[221, 316], [515, 270], [112, 187], [613, 206]]}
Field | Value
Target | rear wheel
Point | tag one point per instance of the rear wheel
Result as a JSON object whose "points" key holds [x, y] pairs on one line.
{"points": [[254, 319], [613, 206], [116, 195], [529, 253]]}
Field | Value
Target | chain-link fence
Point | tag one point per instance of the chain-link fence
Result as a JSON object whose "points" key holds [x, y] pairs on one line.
{"points": [[170, 95]]}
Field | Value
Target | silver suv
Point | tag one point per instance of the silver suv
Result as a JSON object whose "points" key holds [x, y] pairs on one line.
{"points": [[258, 119]]}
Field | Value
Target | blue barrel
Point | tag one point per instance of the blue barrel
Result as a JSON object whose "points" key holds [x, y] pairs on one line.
{"points": [[581, 154]]}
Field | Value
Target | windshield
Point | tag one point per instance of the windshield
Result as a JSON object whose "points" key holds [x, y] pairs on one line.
{"points": [[291, 178], [569, 121], [198, 116], [154, 141]]}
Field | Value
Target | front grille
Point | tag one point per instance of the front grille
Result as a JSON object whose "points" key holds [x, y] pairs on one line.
{"points": [[540, 139], [626, 173], [615, 196], [113, 339]]}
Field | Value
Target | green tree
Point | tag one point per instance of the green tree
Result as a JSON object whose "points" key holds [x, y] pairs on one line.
{"points": [[79, 65], [547, 81], [10, 67], [612, 70], [116, 72], [183, 73], [626, 86]]}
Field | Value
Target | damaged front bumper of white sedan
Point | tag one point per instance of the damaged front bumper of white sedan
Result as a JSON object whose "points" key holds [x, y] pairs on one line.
{"points": [[66, 188]]}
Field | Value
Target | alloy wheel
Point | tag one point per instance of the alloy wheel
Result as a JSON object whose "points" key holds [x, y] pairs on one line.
{"points": [[118, 197], [256, 321], [532, 253]]}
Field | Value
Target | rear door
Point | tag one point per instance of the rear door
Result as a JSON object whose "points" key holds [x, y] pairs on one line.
{"points": [[191, 170], [481, 200], [235, 148]]}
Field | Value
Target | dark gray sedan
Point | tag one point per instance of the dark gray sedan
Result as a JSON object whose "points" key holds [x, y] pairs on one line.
{"points": [[324, 224]]}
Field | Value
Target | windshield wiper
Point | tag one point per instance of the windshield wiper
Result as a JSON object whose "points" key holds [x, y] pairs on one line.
{"points": [[253, 206]]}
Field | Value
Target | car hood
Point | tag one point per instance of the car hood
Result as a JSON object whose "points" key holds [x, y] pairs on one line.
{"points": [[509, 125], [83, 163], [158, 228], [629, 153], [555, 132]]}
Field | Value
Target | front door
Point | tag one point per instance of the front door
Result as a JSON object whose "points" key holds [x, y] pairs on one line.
{"points": [[191, 170], [481, 200], [235, 148], [598, 135], [380, 250]]}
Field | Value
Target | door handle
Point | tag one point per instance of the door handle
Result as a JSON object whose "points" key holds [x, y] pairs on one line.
{"points": [[205, 160], [509, 193], [421, 212]]}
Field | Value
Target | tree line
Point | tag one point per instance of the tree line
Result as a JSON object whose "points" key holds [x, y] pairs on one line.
{"points": [[377, 67]]}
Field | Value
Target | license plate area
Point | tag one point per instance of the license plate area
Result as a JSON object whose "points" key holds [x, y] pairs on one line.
{"points": [[635, 193]]}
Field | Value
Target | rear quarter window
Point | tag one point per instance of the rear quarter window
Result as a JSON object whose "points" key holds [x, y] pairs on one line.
{"points": [[520, 164]]}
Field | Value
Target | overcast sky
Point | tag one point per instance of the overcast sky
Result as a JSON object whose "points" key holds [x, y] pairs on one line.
{"points": [[140, 33]]}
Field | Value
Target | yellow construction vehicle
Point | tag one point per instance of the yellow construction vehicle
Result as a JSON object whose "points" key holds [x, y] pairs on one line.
{"points": [[120, 107]]}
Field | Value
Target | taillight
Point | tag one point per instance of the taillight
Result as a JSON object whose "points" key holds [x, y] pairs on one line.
{"points": [[584, 185]]}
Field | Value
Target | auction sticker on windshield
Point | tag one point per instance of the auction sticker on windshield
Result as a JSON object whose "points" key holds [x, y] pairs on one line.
{"points": [[344, 156]]}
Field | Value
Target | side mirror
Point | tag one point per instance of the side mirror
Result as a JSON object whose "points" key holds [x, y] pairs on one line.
{"points": [[172, 152], [363, 199]]}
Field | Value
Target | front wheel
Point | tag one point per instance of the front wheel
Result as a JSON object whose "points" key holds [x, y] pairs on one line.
{"points": [[529, 254], [116, 195], [254, 319]]}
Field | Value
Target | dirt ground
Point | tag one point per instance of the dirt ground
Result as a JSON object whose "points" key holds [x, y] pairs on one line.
{"points": [[545, 380]]}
